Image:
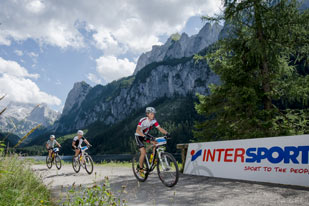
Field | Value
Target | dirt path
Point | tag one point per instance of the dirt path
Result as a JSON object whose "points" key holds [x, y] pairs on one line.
{"points": [[190, 190]]}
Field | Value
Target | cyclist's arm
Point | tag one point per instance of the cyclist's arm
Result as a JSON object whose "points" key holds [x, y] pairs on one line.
{"points": [[73, 144], [139, 131], [47, 146], [163, 131], [58, 144], [86, 142]]}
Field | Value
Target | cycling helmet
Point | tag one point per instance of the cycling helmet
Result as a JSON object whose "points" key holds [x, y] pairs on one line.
{"points": [[80, 132], [150, 110], [52, 137]]}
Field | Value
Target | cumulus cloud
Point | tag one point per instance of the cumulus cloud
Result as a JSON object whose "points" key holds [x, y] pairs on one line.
{"points": [[16, 83], [110, 68], [94, 78], [19, 52], [12, 68], [117, 26]]}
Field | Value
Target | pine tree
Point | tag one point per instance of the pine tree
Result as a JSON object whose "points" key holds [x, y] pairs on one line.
{"points": [[257, 74]]}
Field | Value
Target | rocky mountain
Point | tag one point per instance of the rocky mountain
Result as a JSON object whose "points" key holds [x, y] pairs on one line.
{"points": [[169, 81], [178, 46], [117, 100], [19, 118]]}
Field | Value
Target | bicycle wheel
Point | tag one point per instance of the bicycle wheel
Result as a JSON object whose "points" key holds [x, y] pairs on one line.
{"points": [[58, 162], [168, 170], [135, 168], [88, 164], [76, 164], [49, 162]]}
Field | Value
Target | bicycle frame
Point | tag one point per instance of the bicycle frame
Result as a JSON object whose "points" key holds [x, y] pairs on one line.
{"points": [[158, 151]]}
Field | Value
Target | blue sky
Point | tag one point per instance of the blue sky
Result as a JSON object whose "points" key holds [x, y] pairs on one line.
{"points": [[46, 46]]}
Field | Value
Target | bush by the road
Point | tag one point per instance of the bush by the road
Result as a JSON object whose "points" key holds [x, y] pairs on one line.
{"points": [[19, 185], [100, 195]]}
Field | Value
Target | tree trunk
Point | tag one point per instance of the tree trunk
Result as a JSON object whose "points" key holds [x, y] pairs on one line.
{"points": [[264, 64]]}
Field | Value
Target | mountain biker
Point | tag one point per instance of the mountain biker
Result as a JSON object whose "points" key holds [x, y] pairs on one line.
{"points": [[144, 126], [77, 142], [50, 144]]}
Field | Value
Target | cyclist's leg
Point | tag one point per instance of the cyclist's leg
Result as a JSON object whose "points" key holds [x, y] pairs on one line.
{"points": [[140, 143], [50, 152], [77, 151], [142, 156]]}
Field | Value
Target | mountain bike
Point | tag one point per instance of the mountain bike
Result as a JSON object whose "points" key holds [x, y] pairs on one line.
{"points": [[55, 158], [166, 164], [83, 160]]}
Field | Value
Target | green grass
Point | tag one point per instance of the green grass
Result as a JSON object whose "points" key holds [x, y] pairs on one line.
{"points": [[19, 185]]}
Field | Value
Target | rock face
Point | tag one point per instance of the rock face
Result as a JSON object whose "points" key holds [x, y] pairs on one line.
{"points": [[166, 71], [20, 118], [114, 102], [44, 115], [185, 46], [76, 96]]}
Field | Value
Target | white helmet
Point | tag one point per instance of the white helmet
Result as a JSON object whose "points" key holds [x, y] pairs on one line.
{"points": [[150, 110], [52, 136], [80, 132]]}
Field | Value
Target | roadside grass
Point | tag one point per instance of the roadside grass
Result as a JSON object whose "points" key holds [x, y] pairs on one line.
{"points": [[19, 185], [98, 194]]}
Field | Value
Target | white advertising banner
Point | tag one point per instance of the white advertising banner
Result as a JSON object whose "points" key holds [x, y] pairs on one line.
{"points": [[282, 160]]}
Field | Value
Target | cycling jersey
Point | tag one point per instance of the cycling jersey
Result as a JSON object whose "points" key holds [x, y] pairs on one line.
{"points": [[78, 142], [51, 143], [147, 124]]}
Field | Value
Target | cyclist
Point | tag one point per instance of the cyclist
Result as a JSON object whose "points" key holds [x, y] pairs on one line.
{"points": [[142, 134], [77, 142], [50, 144]]}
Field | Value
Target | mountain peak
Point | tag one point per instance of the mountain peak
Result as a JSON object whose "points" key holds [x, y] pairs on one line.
{"points": [[76, 95], [178, 46]]}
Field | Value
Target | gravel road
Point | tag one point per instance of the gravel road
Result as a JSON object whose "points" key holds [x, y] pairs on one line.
{"points": [[190, 190]]}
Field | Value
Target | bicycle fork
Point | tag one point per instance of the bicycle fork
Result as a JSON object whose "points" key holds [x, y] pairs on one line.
{"points": [[160, 150]]}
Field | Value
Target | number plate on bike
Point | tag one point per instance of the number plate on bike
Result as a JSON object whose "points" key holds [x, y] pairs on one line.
{"points": [[161, 141]]}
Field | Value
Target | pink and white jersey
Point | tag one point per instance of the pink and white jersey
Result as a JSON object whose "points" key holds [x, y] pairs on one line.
{"points": [[147, 125]]}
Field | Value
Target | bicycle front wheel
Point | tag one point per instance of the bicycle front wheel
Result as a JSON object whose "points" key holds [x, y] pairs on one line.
{"points": [[168, 169], [140, 176], [49, 162], [88, 164], [58, 162], [76, 164]]}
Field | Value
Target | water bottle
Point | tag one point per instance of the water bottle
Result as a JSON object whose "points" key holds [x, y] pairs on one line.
{"points": [[151, 158]]}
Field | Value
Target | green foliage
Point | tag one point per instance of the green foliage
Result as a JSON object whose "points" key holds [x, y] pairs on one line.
{"points": [[96, 195], [19, 185], [258, 78], [175, 37]]}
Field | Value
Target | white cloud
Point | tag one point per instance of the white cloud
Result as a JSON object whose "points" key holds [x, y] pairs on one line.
{"points": [[35, 6], [33, 54], [94, 78], [19, 52], [110, 68], [16, 84], [12, 68], [118, 26]]}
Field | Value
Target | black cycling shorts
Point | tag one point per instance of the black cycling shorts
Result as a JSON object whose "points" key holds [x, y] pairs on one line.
{"points": [[75, 148], [140, 141]]}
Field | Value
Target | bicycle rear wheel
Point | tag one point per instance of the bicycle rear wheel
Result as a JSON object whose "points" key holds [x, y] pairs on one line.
{"points": [[58, 162], [76, 164], [49, 162], [88, 164], [168, 169], [136, 170]]}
